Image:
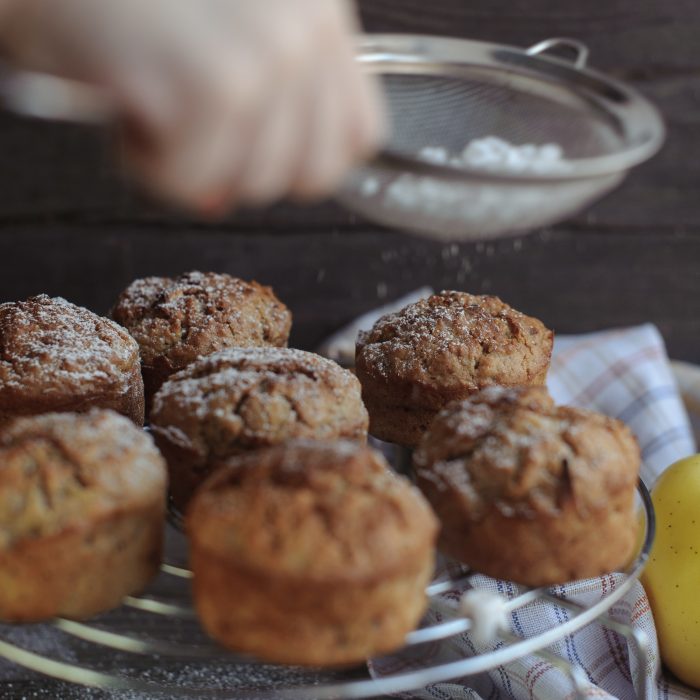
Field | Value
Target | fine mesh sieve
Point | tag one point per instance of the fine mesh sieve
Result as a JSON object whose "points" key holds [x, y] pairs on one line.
{"points": [[444, 94]]}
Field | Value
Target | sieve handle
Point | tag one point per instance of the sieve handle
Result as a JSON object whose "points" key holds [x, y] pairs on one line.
{"points": [[50, 97], [580, 49]]}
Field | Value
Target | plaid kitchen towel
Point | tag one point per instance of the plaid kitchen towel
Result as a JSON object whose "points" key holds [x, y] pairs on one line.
{"points": [[625, 374]]}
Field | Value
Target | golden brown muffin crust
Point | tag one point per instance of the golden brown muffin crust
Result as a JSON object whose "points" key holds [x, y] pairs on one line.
{"points": [[448, 346], [61, 471], [516, 451], [244, 398], [310, 553], [54, 354], [310, 510], [529, 491], [82, 508], [176, 320]]}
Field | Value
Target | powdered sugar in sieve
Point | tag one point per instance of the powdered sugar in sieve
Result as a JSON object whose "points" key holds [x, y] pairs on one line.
{"points": [[419, 201], [498, 155]]}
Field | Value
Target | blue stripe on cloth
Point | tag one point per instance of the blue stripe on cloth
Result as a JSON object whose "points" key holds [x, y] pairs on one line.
{"points": [[569, 640], [657, 393], [662, 440], [505, 678], [514, 615]]}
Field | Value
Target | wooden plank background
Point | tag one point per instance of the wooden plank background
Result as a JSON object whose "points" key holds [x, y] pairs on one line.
{"points": [[70, 226]]}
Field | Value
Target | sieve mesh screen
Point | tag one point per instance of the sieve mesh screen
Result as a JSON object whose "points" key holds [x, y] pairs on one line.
{"points": [[427, 110]]}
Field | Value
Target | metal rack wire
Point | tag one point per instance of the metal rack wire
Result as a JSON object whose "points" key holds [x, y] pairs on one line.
{"points": [[177, 621]]}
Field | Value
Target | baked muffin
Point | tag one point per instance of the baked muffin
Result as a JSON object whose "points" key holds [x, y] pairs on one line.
{"points": [[414, 362], [82, 505], [529, 491], [175, 321], [310, 553], [60, 357], [246, 398]]}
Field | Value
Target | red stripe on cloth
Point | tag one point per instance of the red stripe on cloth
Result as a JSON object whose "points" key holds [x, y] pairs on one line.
{"points": [[643, 610], [533, 669], [544, 667]]}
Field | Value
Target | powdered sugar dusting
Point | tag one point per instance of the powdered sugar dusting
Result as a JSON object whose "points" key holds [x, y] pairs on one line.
{"points": [[515, 450], [452, 338], [50, 345], [199, 313], [241, 398]]}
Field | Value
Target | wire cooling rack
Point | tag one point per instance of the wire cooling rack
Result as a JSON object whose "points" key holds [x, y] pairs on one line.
{"points": [[175, 659]]}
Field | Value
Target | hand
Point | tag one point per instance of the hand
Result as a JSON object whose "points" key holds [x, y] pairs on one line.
{"points": [[223, 101]]}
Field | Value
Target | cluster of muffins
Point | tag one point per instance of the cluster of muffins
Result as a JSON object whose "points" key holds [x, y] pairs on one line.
{"points": [[525, 490], [305, 547]]}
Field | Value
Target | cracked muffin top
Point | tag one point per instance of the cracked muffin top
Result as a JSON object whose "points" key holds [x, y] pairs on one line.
{"points": [[50, 348], [514, 450], [452, 344], [316, 510], [177, 320], [244, 398], [64, 470]]}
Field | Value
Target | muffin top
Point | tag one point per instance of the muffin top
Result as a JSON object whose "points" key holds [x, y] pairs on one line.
{"points": [[514, 450], [64, 470], [308, 509], [244, 398], [177, 320], [451, 343], [51, 348]]}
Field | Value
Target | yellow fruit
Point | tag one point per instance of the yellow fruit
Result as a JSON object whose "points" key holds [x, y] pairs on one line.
{"points": [[672, 576]]}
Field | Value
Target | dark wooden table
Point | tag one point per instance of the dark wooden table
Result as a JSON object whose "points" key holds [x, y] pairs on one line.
{"points": [[70, 226]]}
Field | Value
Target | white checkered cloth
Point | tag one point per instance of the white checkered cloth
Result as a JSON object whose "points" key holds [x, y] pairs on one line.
{"points": [[625, 374]]}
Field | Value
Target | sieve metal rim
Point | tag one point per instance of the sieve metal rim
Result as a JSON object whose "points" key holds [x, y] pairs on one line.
{"points": [[394, 54]]}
